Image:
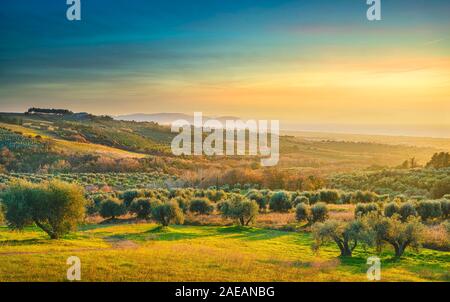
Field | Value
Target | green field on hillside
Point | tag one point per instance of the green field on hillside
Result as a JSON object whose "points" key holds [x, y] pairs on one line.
{"points": [[145, 252]]}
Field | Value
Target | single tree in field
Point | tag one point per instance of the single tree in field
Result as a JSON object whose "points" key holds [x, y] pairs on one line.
{"points": [[168, 213], [239, 208], [345, 234], [55, 207]]}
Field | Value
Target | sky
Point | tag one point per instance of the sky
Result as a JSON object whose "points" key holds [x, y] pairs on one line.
{"points": [[313, 65]]}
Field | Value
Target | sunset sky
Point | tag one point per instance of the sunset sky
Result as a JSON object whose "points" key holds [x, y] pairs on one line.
{"points": [[314, 65]]}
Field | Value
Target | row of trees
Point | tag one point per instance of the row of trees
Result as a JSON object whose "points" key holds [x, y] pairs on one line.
{"points": [[370, 230], [165, 212], [427, 210]]}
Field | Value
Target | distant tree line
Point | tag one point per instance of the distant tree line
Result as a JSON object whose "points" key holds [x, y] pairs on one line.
{"points": [[49, 111]]}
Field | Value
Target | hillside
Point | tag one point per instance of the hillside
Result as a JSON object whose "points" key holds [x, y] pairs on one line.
{"points": [[88, 143]]}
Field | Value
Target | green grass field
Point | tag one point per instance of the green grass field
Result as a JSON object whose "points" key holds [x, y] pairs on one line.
{"points": [[144, 252]]}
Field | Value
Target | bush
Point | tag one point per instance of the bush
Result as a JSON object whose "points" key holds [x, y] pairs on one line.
{"points": [[345, 234], [55, 207], [112, 208], [142, 207], [407, 209], [240, 208], [259, 198], [362, 209], [319, 212], [391, 208], [168, 213], [429, 209], [201, 206], [279, 202], [302, 212]]}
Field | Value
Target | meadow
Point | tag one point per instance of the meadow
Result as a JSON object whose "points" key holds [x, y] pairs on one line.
{"points": [[146, 252]]}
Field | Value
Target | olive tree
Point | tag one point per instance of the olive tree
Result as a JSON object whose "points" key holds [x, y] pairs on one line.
{"points": [[55, 207], [406, 210], [142, 207], [303, 212], [391, 208], [345, 234], [201, 206], [391, 230], [167, 213], [429, 209], [319, 212], [259, 198], [129, 196], [112, 208], [240, 208], [316, 213], [362, 209], [280, 202]]}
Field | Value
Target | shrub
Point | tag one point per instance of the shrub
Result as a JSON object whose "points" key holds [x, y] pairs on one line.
{"points": [[391, 208], [429, 209], [345, 234], [319, 212], [391, 230], [168, 213], [201, 206], [407, 209], [55, 207], [142, 207], [279, 202], [362, 209], [302, 212], [259, 198], [240, 208], [112, 208]]}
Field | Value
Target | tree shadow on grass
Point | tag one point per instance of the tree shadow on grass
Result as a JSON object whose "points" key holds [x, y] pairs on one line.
{"points": [[160, 233], [23, 242], [249, 233], [174, 233]]}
